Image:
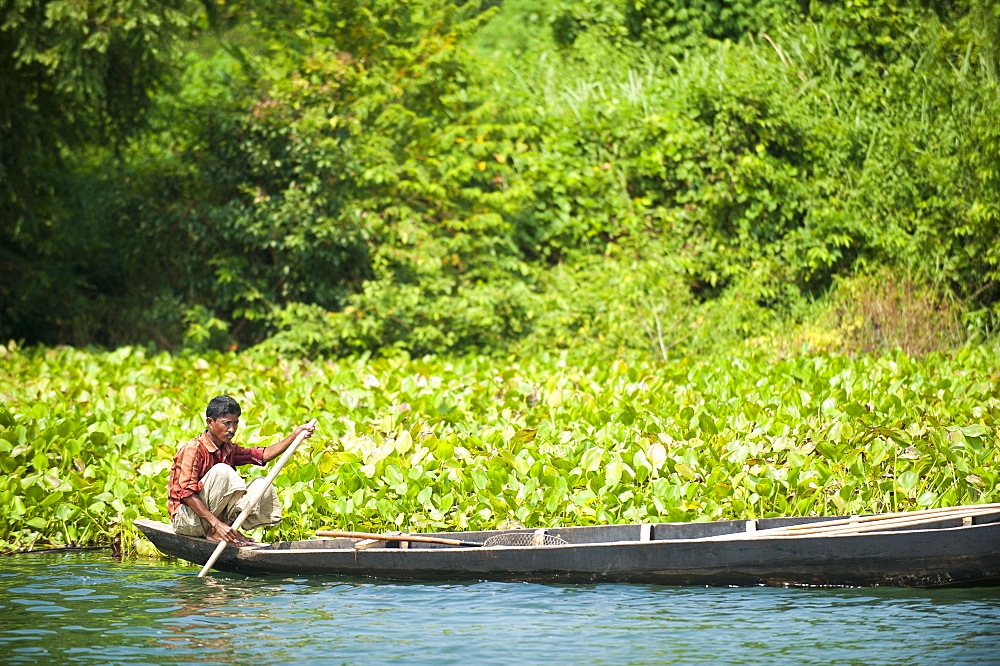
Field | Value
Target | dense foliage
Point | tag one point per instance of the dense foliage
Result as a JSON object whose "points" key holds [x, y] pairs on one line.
{"points": [[72, 75], [688, 259], [86, 439], [456, 176]]}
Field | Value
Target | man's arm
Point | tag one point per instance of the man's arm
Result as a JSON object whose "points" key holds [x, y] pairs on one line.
{"points": [[275, 450]]}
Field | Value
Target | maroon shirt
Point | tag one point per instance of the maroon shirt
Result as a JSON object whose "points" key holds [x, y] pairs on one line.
{"points": [[195, 458]]}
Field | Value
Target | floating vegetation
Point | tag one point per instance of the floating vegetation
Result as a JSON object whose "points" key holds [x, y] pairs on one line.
{"points": [[86, 438]]}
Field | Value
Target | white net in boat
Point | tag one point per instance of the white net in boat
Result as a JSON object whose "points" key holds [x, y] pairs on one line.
{"points": [[524, 539]]}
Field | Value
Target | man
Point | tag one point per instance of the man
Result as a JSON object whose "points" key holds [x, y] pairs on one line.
{"points": [[205, 495]]}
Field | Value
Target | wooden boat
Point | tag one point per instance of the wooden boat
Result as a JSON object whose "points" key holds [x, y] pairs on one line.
{"points": [[959, 545]]}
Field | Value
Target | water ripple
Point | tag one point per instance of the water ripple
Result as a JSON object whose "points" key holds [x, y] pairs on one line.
{"points": [[87, 608]]}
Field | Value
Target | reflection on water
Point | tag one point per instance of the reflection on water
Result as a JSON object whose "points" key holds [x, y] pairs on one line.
{"points": [[87, 608]]}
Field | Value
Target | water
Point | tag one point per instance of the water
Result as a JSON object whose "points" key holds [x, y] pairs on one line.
{"points": [[88, 608]]}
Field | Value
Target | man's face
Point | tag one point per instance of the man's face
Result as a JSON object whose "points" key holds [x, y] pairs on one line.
{"points": [[223, 429]]}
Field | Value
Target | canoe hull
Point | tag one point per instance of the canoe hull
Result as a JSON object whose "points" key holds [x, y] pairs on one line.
{"points": [[964, 554]]}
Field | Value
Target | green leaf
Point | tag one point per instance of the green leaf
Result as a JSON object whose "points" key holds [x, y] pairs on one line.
{"points": [[445, 450], [523, 436], [591, 459], [907, 480], [425, 495], [613, 474], [855, 410], [974, 430], [404, 442], [686, 472], [927, 499]]}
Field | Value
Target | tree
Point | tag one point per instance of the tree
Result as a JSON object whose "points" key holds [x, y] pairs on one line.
{"points": [[72, 73]]}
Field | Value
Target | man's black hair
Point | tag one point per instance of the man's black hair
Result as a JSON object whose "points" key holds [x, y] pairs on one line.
{"points": [[221, 405]]}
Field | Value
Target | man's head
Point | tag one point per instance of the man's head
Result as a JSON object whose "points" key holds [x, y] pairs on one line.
{"points": [[222, 418], [221, 405]]}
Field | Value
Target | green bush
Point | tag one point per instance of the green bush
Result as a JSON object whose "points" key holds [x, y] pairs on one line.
{"points": [[685, 21], [354, 159]]}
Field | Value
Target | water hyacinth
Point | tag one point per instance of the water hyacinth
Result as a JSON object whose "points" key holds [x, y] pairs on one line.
{"points": [[86, 438]]}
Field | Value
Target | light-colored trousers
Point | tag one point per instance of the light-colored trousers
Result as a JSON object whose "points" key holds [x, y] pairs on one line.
{"points": [[225, 493]]}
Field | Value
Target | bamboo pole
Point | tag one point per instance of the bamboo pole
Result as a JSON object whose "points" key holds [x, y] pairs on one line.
{"points": [[932, 513], [866, 523], [891, 524]]}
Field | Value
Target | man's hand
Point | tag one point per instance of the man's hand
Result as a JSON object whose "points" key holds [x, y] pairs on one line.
{"points": [[307, 428], [275, 450], [222, 532]]}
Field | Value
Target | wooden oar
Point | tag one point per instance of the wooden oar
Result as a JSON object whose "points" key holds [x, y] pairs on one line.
{"points": [[866, 523], [396, 537], [258, 493]]}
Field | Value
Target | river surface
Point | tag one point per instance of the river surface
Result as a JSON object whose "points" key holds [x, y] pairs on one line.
{"points": [[89, 608]]}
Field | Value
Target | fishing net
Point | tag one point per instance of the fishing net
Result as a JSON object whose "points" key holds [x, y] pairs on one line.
{"points": [[524, 539]]}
